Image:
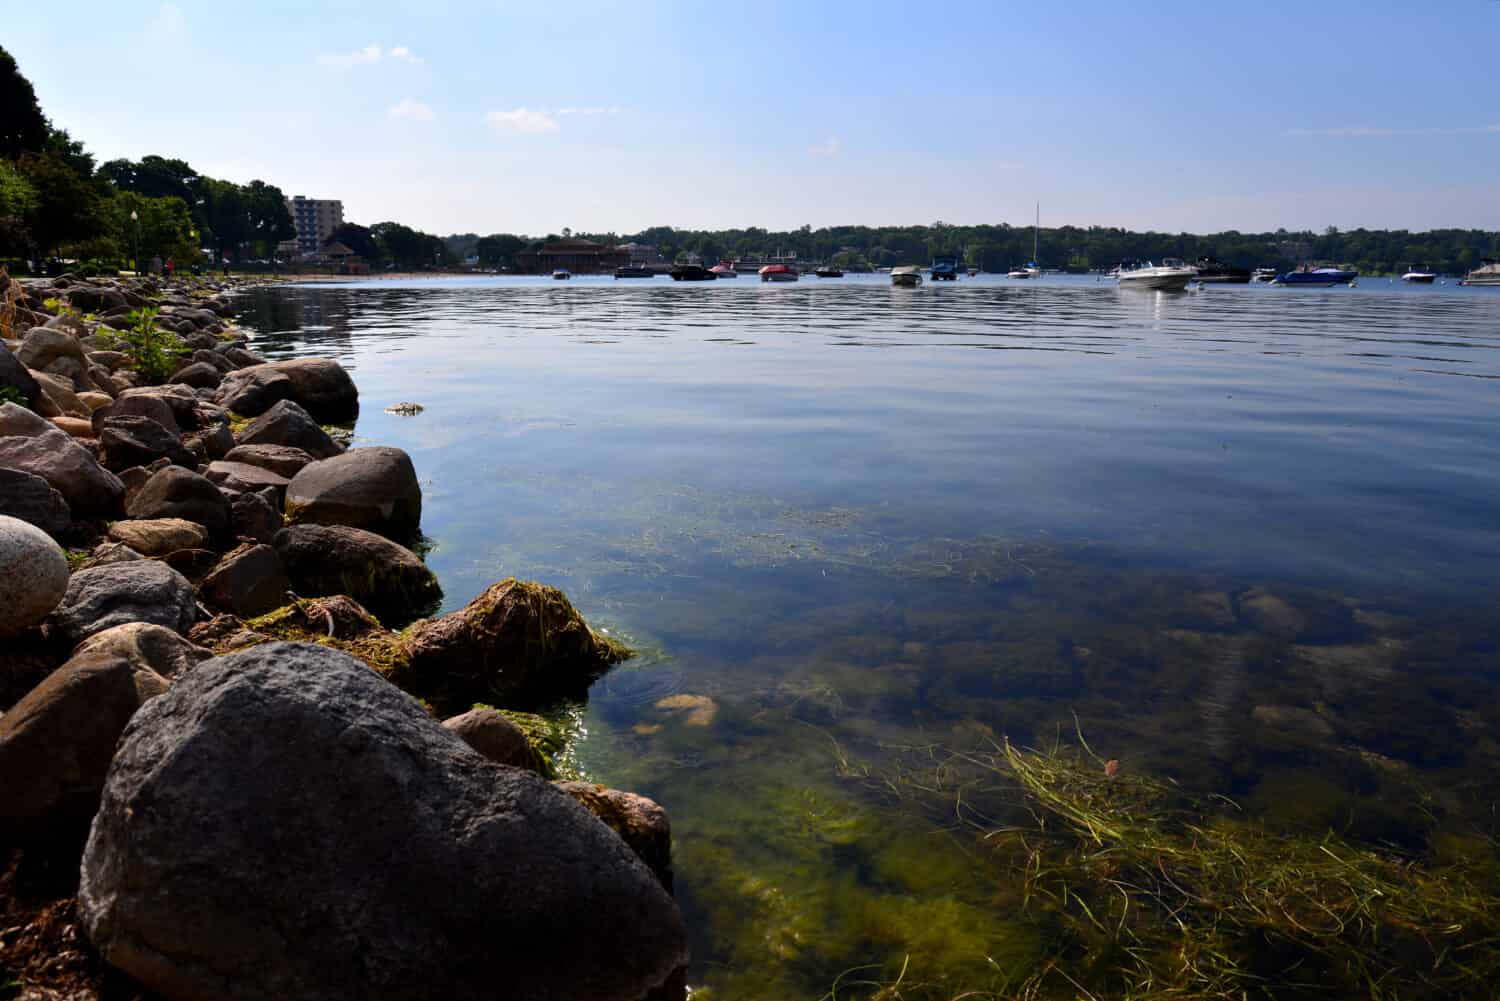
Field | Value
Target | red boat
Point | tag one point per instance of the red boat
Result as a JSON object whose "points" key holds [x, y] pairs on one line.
{"points": [[778, 273], [724, 270]]}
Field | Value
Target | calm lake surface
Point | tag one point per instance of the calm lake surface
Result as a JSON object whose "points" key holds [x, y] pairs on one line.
{"points": [[1243, 538]]}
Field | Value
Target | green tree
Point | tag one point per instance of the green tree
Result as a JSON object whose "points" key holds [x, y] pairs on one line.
{"points": [[162, 227], [23, 127], [497, 249], [155, 177], [224, 216], [267, 217], [67, 203], [18, 200], [358, 239]]}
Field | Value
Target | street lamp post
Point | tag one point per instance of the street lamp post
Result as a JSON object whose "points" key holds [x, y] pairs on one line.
{"points": [[135, 218]]}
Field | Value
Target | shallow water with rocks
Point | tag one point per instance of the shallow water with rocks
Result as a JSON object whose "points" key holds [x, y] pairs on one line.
{"points": [[1241, 539]]}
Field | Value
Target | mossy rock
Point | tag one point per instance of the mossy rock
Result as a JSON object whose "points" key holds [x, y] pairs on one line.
{"points": [[519, 643], [548, 739], [338, 622]]}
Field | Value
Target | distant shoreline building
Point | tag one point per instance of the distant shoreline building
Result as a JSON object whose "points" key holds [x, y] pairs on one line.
{"points": [[315, 219], [580, 256]]}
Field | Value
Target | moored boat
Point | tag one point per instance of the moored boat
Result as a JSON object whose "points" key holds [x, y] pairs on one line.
{"points": [[828, 272], [1171, 275], [945, 269], [1420, 277], [1211, 269], [562, 274], [906, 276], [1317, 277], [1488, 273], [691, 273], [1263, 275], [724, 269], [778, 273], [634, 271], [973, 272]]}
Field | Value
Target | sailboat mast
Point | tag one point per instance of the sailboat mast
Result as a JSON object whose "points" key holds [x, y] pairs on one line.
{"points": [[1036, 231]]}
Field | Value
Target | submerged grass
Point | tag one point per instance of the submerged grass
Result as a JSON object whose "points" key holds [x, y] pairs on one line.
{"points": [[1145, 893]]}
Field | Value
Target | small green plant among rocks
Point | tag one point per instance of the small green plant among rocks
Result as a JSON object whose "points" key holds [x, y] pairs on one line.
{"points": [[10, 394], [154, 352]]}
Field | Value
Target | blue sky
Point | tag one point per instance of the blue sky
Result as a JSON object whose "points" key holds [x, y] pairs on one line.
{"points": [[599, 116]]}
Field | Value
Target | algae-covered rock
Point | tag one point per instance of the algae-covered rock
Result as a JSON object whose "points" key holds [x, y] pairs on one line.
{"points": [[518, 640]]}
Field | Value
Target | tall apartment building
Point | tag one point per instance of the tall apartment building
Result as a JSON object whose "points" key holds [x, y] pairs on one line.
{"points": [[315, 219]]}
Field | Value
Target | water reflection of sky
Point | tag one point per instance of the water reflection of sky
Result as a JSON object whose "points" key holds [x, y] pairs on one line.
{"points": [[1340, 432], [1239, 536]]}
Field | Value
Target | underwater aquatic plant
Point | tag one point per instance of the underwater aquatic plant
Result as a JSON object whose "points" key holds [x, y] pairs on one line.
{"points": [[1145, 892]]}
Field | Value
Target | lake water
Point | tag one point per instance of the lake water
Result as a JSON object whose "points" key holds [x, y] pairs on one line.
{"points": [[1243, 538]]}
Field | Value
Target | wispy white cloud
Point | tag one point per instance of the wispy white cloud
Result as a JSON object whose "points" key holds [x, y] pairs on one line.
{"points": [[1369, 131], [359, 57], [522, 120], [829, 148], [372, 53], [612, 109], [169, 24], [411, 110]]}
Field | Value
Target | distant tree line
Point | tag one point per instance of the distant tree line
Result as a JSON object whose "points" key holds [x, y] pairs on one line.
{"points": [[1069, 248], [54, 201]]}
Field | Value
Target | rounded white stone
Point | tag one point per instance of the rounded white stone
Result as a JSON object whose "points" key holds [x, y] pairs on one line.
{"points": [[33, 575]]}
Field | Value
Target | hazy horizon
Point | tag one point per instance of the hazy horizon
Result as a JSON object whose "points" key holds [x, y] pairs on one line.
{"points": [[486, 118]]}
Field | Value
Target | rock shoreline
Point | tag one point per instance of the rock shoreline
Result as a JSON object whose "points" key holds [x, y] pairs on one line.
{"points": [[201, 676]]}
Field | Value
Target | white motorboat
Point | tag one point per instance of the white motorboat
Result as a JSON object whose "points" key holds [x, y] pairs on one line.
{"points": [[1488, 273], [562, 274], [1420, 277], [1263, 275], [906, 276], [1170, 276]]}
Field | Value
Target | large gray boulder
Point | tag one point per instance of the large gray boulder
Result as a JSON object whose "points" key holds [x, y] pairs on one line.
{"points": [[244, 478], [140, 441], [283, 823], [33, 500], [282, 459], [89, 488], [388, 579], [288, 424], [56, 743], [371, 488], [135, 591], [14, 375], [17, 420], [33, 575], [250, 392], [322, 387], [161, 408], [57, 352], [248, 582], [175, 492]]}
